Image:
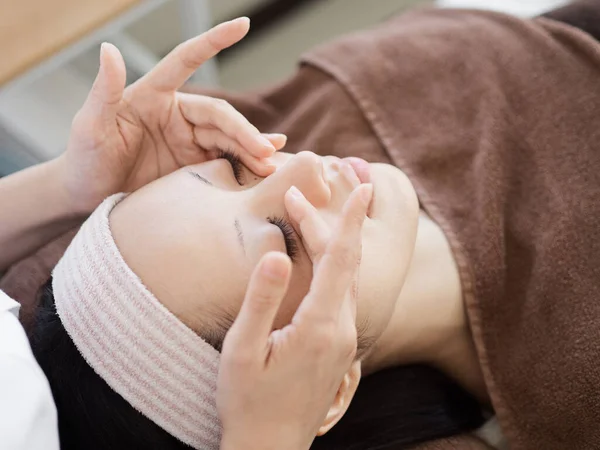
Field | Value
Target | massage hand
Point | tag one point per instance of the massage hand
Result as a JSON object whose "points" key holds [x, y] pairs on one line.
{"points": [[275, 388], [122, 139]]}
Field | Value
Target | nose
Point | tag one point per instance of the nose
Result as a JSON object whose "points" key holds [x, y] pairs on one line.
{"points": [[305, 171]]}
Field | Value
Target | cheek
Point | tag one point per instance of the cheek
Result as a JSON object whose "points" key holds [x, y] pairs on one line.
{"points": [[375, 302], [381, 277]]}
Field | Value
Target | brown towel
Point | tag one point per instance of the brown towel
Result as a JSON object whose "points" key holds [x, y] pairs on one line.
{"points": [[24, 279], [494, 120]]}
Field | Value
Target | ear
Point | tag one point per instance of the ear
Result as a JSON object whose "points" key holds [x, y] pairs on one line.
{"points": [[343, 398]]}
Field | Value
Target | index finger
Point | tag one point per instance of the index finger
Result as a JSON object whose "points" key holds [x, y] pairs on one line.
{"points": [[337, 267], [266, 289], [181, 63], [314, 230]]}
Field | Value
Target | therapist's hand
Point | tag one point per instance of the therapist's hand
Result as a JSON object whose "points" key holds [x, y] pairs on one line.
{"points": [[275, 388], [122, 139]]}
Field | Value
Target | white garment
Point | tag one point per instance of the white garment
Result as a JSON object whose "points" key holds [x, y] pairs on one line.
{"points": [[28, 419]]}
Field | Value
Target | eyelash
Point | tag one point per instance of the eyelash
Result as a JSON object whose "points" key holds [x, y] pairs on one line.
{"points": [[235, 162], [291, 245]]}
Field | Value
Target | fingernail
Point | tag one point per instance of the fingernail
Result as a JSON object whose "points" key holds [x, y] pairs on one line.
{"points": [[237, 19], [273, 268], [244, 18], [366, 193], [276, 136], [295, 193], [272, 168], [102, 50], [265, 142]]}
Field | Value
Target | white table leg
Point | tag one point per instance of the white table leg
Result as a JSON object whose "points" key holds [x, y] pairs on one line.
{"points": [[39, 115]]}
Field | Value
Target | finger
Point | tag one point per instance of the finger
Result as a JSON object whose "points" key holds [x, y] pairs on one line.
{"points": [[347, 327], [203, 111], [348, 309], [305, 217], [215, 140], [267, 287], [277, 139], [337, 267], [175, 68], [107, 91]]}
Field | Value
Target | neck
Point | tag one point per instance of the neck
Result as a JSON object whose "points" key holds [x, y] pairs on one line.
{"points": [[429, 323]]}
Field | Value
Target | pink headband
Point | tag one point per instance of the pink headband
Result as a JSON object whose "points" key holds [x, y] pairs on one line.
{"points": [[143, 352]]}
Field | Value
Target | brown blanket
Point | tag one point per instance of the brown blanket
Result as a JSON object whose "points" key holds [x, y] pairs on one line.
{"points": [[495, 121]]}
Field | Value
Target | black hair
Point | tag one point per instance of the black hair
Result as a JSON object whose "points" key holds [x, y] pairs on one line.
{"points": [[403, 406]]}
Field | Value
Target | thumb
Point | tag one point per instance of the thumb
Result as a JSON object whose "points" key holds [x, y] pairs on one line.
{"points": [[107, 90]]}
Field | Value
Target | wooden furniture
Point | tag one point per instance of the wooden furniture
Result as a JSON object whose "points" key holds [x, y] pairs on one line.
{"points": [[40, 88], [33, 30]]}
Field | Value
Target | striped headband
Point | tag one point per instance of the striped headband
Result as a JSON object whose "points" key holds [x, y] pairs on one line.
{"points": [[143, 352]]}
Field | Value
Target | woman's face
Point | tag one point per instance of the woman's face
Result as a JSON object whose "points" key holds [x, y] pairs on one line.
{"points": [[194, 236]]}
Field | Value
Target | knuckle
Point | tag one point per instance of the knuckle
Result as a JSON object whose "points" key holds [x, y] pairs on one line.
{"points": [[317, 242], [212, 43], [221, 105], [353, 223], [316, 250], [320, 348], [324, 337], [309, 158], [236, 358], [262, 302], [356, 223], [187, 61], [354, 288], [345, 255]]}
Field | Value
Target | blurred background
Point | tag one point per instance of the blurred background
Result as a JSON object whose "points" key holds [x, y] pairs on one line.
{"points": [[50, 50]]}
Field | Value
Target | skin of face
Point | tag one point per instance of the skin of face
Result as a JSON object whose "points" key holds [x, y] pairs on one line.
{"points": [[194, 236]]}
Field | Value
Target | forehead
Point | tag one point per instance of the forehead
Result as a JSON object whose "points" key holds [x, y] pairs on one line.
{"points": [[181, 244]]}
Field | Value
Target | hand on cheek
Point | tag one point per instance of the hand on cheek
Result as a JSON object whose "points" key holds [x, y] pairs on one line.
{"points": [[291, 384]]}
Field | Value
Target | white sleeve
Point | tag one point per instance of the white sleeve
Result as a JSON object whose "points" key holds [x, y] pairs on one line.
{"points": [[28, 419]]}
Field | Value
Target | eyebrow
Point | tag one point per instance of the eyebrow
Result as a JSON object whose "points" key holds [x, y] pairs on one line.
{"points": [[199, 177], [240, 234], [236, 222]]}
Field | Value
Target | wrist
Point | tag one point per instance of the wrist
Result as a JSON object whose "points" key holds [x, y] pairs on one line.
{"points": [[70, 195]]}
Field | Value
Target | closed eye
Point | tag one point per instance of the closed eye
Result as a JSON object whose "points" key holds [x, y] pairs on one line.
{"points": [[289, 236], [236, 164]]}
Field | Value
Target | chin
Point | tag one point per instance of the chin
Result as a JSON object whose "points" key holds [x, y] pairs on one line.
{"points": [[394, 198]]}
